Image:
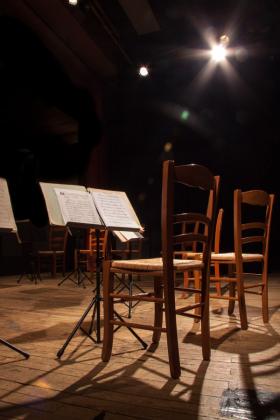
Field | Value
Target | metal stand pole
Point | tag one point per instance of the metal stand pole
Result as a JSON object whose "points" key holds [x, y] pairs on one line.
{"points": [[6, 343]]}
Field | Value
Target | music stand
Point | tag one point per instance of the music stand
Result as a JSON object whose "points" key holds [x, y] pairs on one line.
{"points": [[29, 266], [95, 305], [11, 346]]}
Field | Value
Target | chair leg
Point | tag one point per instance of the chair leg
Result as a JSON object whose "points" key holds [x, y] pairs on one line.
{"points": [[63, 265], [186, 284], [39, 266], [217, 275], [186, 279], [205, 323], [197, 285], [241, 301], [108, 311], [158, 315], [171, 329], [231, 286], [265, 296], [231, 303], [54, 265], [130, 286]]}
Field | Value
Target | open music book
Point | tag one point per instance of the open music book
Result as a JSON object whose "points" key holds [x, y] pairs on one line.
{"points": [[7, 220], [78, 206]]}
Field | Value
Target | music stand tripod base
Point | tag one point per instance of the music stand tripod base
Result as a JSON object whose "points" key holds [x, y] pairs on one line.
{"points": [[6, 343], [95, 304], [81, 276]]}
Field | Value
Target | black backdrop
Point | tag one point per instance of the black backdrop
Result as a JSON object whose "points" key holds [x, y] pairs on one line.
{"points": [[231, 128]]}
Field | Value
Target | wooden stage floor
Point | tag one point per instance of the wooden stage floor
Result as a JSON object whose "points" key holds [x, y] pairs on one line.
{"points": [[135, 384]]}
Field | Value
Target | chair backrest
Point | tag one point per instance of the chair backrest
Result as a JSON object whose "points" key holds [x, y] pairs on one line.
{"points": [[218, 231], [194, 246], [58, 236], [195, 176], [252, 220]]}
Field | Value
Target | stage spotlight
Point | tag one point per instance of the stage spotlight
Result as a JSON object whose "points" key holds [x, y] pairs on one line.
{"points": [[143, 71], [224, 40], [218, 53], [73, 2]]}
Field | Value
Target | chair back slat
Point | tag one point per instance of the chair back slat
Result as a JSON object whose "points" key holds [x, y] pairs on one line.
{"points": [[257, 231], [194, 176], [255, 197], [252, 239], [191, 218], [253, 225], [189, 238]]}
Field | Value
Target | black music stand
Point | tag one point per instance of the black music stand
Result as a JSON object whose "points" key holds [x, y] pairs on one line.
{"points": [[95, 304], [11, 346], [28, 255]]}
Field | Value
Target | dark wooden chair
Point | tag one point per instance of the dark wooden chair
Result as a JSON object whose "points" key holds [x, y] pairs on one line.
{"points": [[252, 223], [165, 268], [55, 253]]}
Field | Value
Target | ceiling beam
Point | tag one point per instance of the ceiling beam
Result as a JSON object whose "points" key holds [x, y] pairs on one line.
{"points": [[141, 16]]}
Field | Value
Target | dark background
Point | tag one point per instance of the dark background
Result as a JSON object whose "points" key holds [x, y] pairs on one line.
{"points": [[52, 129]]}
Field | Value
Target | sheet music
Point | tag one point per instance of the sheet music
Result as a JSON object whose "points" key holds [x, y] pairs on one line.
{"points": [[125, 235], [52, 204], [115, 209], [7, 220], [77, 207]]}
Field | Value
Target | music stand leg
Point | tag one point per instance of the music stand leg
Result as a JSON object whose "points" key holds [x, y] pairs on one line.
{"points": [[80, 279], [95, 304], [77, 326], [6, 343]]}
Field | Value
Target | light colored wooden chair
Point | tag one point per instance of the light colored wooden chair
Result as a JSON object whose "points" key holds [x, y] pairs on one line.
{"points": [[164, 269], [85, 259], [55, 254], [252, 223], [215, 267], [131, 249]]}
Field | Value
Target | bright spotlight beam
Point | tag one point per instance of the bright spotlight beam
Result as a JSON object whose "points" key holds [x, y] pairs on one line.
{"points": [[218, 53]]}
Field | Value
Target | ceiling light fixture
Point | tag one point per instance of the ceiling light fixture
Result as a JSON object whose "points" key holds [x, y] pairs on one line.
{"points": [[218, 53], [143, 71]]}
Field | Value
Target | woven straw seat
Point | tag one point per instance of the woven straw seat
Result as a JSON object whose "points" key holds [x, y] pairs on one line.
{"points": [[156, 264]]}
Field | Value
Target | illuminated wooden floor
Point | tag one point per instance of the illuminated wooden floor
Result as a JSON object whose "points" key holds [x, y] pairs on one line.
{"points": [[135, 383]]}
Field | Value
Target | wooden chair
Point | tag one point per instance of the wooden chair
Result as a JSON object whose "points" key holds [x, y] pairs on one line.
{"points": [[215, 267], [55, 254], [86, 258], [129, 250], [163, 269], [252, 222]]}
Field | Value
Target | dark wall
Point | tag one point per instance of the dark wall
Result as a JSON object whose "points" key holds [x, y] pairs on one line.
{"points": [[231, 126], [48, 126]]}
